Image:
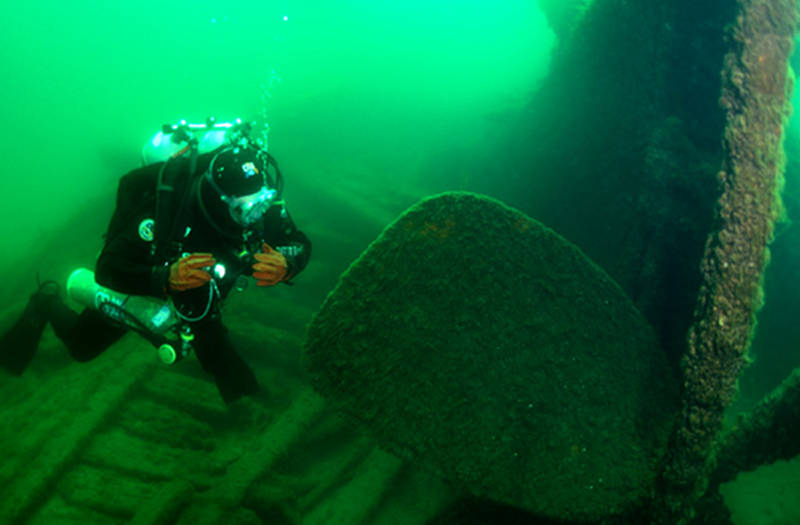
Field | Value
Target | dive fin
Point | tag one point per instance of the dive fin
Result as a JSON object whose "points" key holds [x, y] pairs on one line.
{"points": [[18, 345]]}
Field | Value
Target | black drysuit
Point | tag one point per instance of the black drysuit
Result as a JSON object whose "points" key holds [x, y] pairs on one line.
{"points": [[127, 264]]}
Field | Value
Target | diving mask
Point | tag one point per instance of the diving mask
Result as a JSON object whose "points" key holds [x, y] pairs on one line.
{"points": [[249, 209]]}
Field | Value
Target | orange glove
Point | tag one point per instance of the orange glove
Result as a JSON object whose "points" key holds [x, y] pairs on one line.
{"points": [[187, 272], [270, 267]]}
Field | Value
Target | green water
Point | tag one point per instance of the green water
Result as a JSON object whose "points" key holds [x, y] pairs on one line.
{"points": [[370, 106], [359, 91]]}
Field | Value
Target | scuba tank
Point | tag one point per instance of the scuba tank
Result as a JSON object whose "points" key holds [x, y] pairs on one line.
{"points": [[175, 140], [152, 318]]}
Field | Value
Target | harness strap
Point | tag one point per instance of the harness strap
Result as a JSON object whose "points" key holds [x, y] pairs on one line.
{"points": [[170, 203]]}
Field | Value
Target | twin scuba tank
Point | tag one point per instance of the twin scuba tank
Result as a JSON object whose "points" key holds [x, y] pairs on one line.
{"points": [[175, 140], [157, 320]]}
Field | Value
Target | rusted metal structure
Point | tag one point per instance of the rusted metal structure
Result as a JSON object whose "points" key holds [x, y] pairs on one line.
{"points": [[756, 82]]}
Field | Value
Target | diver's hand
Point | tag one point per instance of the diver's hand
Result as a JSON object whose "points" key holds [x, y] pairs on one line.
{"points": [[270, 267], [187, 272]]}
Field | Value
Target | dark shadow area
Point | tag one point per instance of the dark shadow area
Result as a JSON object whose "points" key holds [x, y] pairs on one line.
{"points": [[474, 511], [619, 149]]}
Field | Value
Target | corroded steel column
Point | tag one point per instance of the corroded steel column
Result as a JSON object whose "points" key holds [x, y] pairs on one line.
{"points": [[756, 87]]}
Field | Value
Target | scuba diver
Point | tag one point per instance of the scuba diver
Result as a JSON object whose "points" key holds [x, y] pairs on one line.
{"points": [[185, 232]]}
